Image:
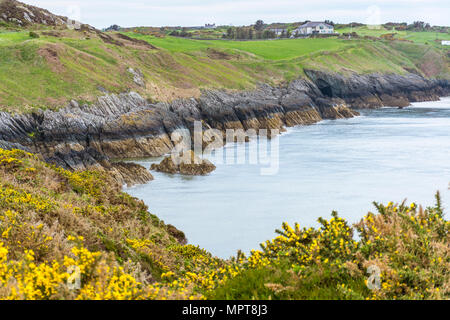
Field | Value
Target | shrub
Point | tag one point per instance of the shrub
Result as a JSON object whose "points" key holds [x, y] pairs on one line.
{"points": [[52, 220], [408, 244], [34, 35]]}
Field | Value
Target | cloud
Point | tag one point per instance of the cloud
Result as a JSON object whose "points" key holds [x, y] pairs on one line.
{"points": [[102, 13]]}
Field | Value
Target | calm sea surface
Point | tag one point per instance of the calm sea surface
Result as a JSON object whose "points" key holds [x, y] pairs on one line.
{"points": [[344, 165]]}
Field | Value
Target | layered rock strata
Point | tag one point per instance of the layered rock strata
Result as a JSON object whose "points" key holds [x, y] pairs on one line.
{"points": [[127, 126]]}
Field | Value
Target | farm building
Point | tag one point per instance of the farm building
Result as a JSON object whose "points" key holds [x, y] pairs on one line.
{"points": [[314, 28]]}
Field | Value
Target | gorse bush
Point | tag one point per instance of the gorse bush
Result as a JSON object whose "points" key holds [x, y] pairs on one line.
{"points": [[409, 246], [58, 227], [75, 235]]}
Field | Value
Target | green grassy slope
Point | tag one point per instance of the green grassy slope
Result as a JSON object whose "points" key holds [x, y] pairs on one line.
{"points": [[267, 49], [60, 65], [417, 37]]}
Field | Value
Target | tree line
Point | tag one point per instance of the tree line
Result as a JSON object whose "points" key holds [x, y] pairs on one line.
{"points": [[248, 33], [256, 31]]}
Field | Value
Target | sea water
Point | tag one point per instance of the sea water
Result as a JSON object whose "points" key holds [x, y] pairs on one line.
{"points": [[384, 155]]}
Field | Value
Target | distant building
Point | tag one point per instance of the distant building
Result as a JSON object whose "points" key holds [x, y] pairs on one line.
{"points": [[314, 28], [278, 31], [445, 43], [210, 26]]}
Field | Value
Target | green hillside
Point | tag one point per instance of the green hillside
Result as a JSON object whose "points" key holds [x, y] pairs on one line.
{"points": [[60, 65], [266, 49], [76, 235], [433, 38]]}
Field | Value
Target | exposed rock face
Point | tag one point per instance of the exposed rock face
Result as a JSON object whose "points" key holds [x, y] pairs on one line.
{"points": [[166, 166], [129, 173], [23, 14], [187, 164], [138, 77], [378, 90], [127, 126], [177, 234]]}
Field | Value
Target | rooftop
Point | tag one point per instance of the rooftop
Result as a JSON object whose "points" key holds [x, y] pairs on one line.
{"points": [[315, 24]]}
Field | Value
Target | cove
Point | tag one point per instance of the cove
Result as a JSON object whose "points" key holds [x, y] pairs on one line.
{"points": [[344, 165]]}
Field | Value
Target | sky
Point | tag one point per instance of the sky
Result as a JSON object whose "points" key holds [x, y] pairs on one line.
{"points": [[130, 13]]}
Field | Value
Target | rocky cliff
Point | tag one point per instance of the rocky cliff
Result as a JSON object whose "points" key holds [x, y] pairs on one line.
{"points": [[378, 90], [127, 126], [23, 14]]}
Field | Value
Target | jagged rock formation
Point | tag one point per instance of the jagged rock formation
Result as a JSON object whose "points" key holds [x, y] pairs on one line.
{"points": [[378, 90], [126, 173], [188, 164], [23, 14], [127, 126]]}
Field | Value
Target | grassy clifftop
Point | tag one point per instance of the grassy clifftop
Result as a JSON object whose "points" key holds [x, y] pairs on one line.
{"points": [[70, 235], [61, 64]]}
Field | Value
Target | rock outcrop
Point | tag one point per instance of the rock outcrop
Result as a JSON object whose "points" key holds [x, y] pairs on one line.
{"points": [[23, 14], [378, 90], [129, 174], [127, 126], [187, 164]]}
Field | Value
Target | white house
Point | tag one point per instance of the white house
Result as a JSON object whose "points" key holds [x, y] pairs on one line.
{"points": [[279, 31], [445, 43], [314, 28]]}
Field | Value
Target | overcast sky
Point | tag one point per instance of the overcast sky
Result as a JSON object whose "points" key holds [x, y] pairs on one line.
{"points": [[127, 13]]}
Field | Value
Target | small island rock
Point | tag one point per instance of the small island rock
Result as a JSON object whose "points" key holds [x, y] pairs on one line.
{"points": [[190, 164]]}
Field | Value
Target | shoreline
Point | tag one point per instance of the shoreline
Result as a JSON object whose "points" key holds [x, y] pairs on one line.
{"points": [[124, 126], [287, 131], [162, 195]]}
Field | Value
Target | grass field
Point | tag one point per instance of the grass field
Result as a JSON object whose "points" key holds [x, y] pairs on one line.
{"points": [[293, 55], [44, 72], [49, 71], [418, 37], [7, 38], [266, 49]]}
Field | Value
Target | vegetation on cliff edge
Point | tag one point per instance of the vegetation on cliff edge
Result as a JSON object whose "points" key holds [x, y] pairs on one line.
{"points": [[60, 65], [57, 225]]}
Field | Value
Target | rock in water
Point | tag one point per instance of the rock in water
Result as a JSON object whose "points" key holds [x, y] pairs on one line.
{"points": [[204, 168], [166, 166], [129, 174], [188, 164]]}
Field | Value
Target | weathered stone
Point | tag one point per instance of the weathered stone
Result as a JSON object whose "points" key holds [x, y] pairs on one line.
{"points": [[138, 77], [129, 174], [177, 234], [188, 164], [166, 166], [127, 126], [24, 14], [378, 90]]}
